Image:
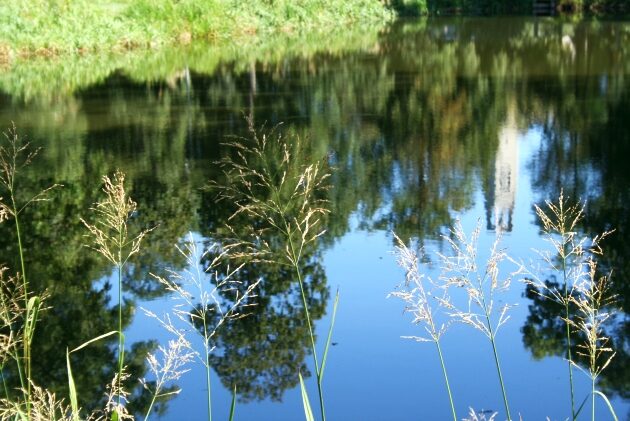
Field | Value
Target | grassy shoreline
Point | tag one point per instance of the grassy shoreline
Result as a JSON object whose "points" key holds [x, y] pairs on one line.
{"points": [[59, 27]]}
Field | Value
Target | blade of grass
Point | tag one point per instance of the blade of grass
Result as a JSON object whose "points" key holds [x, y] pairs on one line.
{"points": [[72, 390], [98, 338], [74, 404], [330, 330], [308, 413], [32, 311], [610, 408], [233, 406], [577, 413]]}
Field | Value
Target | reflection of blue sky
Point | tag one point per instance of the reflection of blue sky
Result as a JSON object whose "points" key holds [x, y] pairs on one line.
{"points": [[372, 373]]}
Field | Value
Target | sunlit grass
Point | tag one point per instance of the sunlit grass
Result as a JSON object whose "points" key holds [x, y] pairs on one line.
{"points": [[53, 27]]}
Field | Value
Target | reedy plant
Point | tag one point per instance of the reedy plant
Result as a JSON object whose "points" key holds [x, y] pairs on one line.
{"points": [[592, 299], [12, 312], [45, 406], [268, 184], [568, 256], [460, 269], [15, 154], [167, 367], [416, 292], [111, 238], [200, 303]]}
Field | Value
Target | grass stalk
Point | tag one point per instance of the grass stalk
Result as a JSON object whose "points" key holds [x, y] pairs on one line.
{"points": [[121, 340], [564, 256], [295, 259], [496, 360], [417, 297], [448, 386], [206, 340], [111, 239], [268, 182], [491, 336]]}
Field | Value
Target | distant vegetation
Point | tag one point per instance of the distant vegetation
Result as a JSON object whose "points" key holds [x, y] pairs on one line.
{"points": [[51, 27], [440, 7], [33, 28]]}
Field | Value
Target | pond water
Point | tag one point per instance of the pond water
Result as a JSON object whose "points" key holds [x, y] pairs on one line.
{"points": [[423, 123]]}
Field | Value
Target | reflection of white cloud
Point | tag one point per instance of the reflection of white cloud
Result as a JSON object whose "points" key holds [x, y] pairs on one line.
{"points": [[506, 173]]}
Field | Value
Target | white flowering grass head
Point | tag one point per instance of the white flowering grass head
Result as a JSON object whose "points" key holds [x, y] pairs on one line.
{"points": [[480, 415], [199, 293], [168, 364], [419, 293], [482, 282]]}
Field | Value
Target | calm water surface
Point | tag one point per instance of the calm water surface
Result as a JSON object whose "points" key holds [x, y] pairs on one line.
{"points": [[424, 123]]}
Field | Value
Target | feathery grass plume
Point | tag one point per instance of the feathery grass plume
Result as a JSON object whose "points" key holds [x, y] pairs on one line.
{"points": [[461, 270], [417, 299], [44, 407], [111, 238], [12, 312], [4, 214], [567, 259], [277, 193], [592, 299], [15, 154], [115, 408], [168, 367], [200, 304], [480, 415]]}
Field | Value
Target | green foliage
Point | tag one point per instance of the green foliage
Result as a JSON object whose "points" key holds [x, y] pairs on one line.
{"points": [[51, 27]]}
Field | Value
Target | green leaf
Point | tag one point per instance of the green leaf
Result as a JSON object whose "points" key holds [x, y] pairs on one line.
{"points": [[308, 413], [73, 391], [612, 411], [330, 330], [114, 416], [577, 413], [98, 338], [233, 406], [32, 311]]}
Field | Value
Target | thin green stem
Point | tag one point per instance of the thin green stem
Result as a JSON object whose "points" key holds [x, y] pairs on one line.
{"points": [[207, 352], [295, 259], [448, 387], [566, 322], [496, 356], [4, 383], [496, 360], [27, 342], [121, 340], [146, 417], [592, 398]]}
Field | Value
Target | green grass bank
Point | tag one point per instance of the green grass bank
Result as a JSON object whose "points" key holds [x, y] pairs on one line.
{"points": [[55, 27]]}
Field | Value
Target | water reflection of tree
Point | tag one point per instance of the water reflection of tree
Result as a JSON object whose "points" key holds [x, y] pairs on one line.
{"points": [[411, 135], [587, 157], [262, 353]]}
